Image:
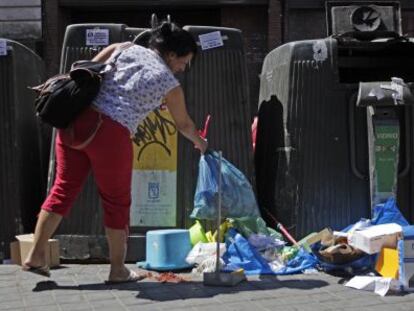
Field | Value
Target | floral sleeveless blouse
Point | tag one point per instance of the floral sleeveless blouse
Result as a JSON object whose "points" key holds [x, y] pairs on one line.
{"points": [[135, 87]]}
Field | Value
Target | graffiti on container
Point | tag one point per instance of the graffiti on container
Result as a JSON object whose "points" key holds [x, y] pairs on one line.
{"points": [[154, 130]]}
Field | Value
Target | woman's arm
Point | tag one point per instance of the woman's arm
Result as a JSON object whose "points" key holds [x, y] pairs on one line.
{"points": [[185, 125], [103, 55]]}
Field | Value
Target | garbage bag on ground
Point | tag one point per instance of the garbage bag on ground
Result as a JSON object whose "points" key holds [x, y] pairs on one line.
{"points": [[388, 212], [240, 254], [197, 233], [263, 242], [270, 248], [250, 225], [384, 213], [202, 251], [238, 198], [208, 265], [302, 261], [223, 230]]}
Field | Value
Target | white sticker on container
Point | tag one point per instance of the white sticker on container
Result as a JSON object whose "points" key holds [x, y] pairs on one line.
{"points": [[211, 40], [320, 51], [3, 47], [97, 36]]}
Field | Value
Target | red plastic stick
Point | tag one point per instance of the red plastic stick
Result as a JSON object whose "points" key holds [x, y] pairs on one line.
{"points": [[204, 132], [286, 233], [282, 228]]}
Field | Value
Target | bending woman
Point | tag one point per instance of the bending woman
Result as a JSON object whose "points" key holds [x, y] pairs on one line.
{"points": [[100, 139]]}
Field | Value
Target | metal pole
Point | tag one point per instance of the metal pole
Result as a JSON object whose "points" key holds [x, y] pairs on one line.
{"points": [[218, 217]]}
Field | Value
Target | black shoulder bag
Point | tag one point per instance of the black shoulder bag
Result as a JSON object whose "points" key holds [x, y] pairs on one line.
{"points": [[63, 97]]}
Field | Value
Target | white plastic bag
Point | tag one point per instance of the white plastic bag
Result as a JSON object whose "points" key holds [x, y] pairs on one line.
{"points": [[202, 251], [208, 265]]}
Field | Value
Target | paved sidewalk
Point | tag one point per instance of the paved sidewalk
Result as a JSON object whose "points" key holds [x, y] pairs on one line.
{"points": [[81, 287]]}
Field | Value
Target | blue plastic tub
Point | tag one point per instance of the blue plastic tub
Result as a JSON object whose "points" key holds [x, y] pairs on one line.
{"points": [[166, 250]]}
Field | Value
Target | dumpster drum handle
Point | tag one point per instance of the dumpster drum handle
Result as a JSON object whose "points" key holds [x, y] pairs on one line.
{"points": [[352, 148]]}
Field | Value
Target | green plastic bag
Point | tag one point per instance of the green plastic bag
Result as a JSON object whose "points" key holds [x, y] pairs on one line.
{"points": [[249, 225], [197, 234]]}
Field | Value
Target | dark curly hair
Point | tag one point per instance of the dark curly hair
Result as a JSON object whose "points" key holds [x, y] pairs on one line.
{"points": [[168, 37]]}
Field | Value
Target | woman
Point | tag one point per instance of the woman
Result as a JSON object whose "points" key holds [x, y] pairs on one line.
{"points": [[139, 81]]}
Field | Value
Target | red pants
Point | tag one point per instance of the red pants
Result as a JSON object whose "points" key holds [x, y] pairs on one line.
{"points": [[109, 155]]}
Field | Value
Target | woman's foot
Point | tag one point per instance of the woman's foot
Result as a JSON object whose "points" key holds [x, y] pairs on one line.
{"points": [[124, 275], [36, 258], [36, 263]]}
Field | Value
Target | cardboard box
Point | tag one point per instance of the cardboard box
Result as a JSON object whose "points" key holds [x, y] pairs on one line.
{"points": [[372, 239], [20, 249], [314, 237]]}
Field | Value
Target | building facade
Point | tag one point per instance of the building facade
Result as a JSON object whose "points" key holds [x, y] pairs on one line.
{"points": [[21, 20]]}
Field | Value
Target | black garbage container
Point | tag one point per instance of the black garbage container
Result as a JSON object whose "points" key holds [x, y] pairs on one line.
{"points": [[23, 182], [312, 151]]}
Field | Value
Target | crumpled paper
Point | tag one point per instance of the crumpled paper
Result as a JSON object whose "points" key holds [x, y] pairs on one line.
{"points": [[377, 284]]}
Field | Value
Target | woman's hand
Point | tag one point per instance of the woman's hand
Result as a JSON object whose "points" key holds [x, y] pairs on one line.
{"points": [[201, 144]]}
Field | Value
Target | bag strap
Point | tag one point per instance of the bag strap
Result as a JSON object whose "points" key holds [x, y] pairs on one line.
{"points": [[122, 47], [91, 136]]}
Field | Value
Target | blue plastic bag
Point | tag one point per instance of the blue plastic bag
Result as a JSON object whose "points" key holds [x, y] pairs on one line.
{"points": [[237, 199], [358, 266], [388, 212], [241, 254], [302, 261]]}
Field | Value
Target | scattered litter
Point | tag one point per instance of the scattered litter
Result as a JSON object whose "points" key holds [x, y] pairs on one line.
{"points": [[378, 284], [208, 265], [167, 277], [202, 251], [310, 271]]}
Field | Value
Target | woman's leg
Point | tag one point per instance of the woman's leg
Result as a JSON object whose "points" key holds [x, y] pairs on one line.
{"points": [[46, 225], [117, 242], [111, 159], [72, 168]]}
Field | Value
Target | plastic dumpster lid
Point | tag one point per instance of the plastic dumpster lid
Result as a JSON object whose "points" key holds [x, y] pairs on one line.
{"points": [[378, 93]]}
